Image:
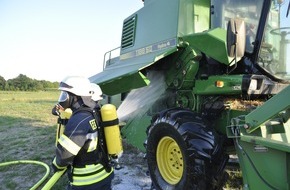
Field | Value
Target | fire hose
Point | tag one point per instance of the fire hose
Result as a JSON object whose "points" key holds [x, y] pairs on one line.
{"points": [[49, 183]]}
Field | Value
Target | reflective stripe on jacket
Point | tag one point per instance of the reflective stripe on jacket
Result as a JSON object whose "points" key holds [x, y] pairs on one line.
{"points": [[69, 145], [89, 174], [73, 148]]}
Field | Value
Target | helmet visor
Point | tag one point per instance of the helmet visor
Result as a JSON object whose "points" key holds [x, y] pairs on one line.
{"points": [[64, 96], [64, 100]]}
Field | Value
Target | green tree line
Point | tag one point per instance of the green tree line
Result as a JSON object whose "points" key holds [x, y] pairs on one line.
{"points": [[24, 83]]}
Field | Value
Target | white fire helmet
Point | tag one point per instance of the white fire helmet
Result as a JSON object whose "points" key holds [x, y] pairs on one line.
{"points": [[77, 85], [96, 92]]}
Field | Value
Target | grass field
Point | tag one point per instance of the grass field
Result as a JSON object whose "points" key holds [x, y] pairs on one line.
{"points": [[27, 132]]}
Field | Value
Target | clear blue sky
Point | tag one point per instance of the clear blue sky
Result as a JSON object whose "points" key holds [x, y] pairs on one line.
{"points": [[49, 39]]}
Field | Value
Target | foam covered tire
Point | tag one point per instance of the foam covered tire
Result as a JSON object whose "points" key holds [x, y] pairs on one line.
{"points": [[183, 152]]}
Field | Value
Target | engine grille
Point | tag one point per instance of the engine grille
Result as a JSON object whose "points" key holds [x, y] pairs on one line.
{"points": [[128, 33]]}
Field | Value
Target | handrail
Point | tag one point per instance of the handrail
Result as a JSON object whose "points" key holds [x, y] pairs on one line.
{"points": [[110, 54]]}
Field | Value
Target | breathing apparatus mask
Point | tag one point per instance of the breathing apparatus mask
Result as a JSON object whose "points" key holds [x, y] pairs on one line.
{"points": [[65, 101]]}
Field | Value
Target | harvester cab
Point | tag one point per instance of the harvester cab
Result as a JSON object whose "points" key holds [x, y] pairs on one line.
{"points": [[199, 80]]}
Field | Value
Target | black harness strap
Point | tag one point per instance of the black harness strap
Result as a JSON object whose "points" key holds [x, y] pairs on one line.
{"points": [[109, 123]]}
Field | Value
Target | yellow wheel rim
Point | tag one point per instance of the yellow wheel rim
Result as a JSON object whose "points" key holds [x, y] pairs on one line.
{"points": [[169, 160]]}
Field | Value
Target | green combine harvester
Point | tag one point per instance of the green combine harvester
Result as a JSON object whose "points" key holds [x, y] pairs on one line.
{"points": [[198, 81]]}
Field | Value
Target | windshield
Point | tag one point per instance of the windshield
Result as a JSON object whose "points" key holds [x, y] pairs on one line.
{"points": [[248, 10], [274, 54]]}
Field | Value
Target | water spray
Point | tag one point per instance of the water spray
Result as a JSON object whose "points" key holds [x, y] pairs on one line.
{"points": [[138, 101]]}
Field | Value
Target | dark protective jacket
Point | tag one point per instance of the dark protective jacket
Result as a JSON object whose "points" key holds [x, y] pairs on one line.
{"points": [[79, 148]]}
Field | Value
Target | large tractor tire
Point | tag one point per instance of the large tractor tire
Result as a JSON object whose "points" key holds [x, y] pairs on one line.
{"points": [[184, 153]]}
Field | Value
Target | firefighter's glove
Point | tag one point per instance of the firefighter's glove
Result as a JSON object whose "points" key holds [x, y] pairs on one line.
{"points": [[55, 167], [55, 110]]}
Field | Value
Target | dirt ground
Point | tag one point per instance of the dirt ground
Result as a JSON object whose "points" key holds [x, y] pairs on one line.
{"points": [[133, 173]]}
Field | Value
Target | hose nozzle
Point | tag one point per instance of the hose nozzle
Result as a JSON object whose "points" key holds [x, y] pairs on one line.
{"points": [[55, 110]]}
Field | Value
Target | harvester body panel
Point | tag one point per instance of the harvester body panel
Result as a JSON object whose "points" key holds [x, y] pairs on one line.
{"points": [[129, 76], [149, 35]]}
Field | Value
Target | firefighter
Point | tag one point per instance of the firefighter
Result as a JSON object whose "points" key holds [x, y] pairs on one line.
{"points": [[79, 149]]}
